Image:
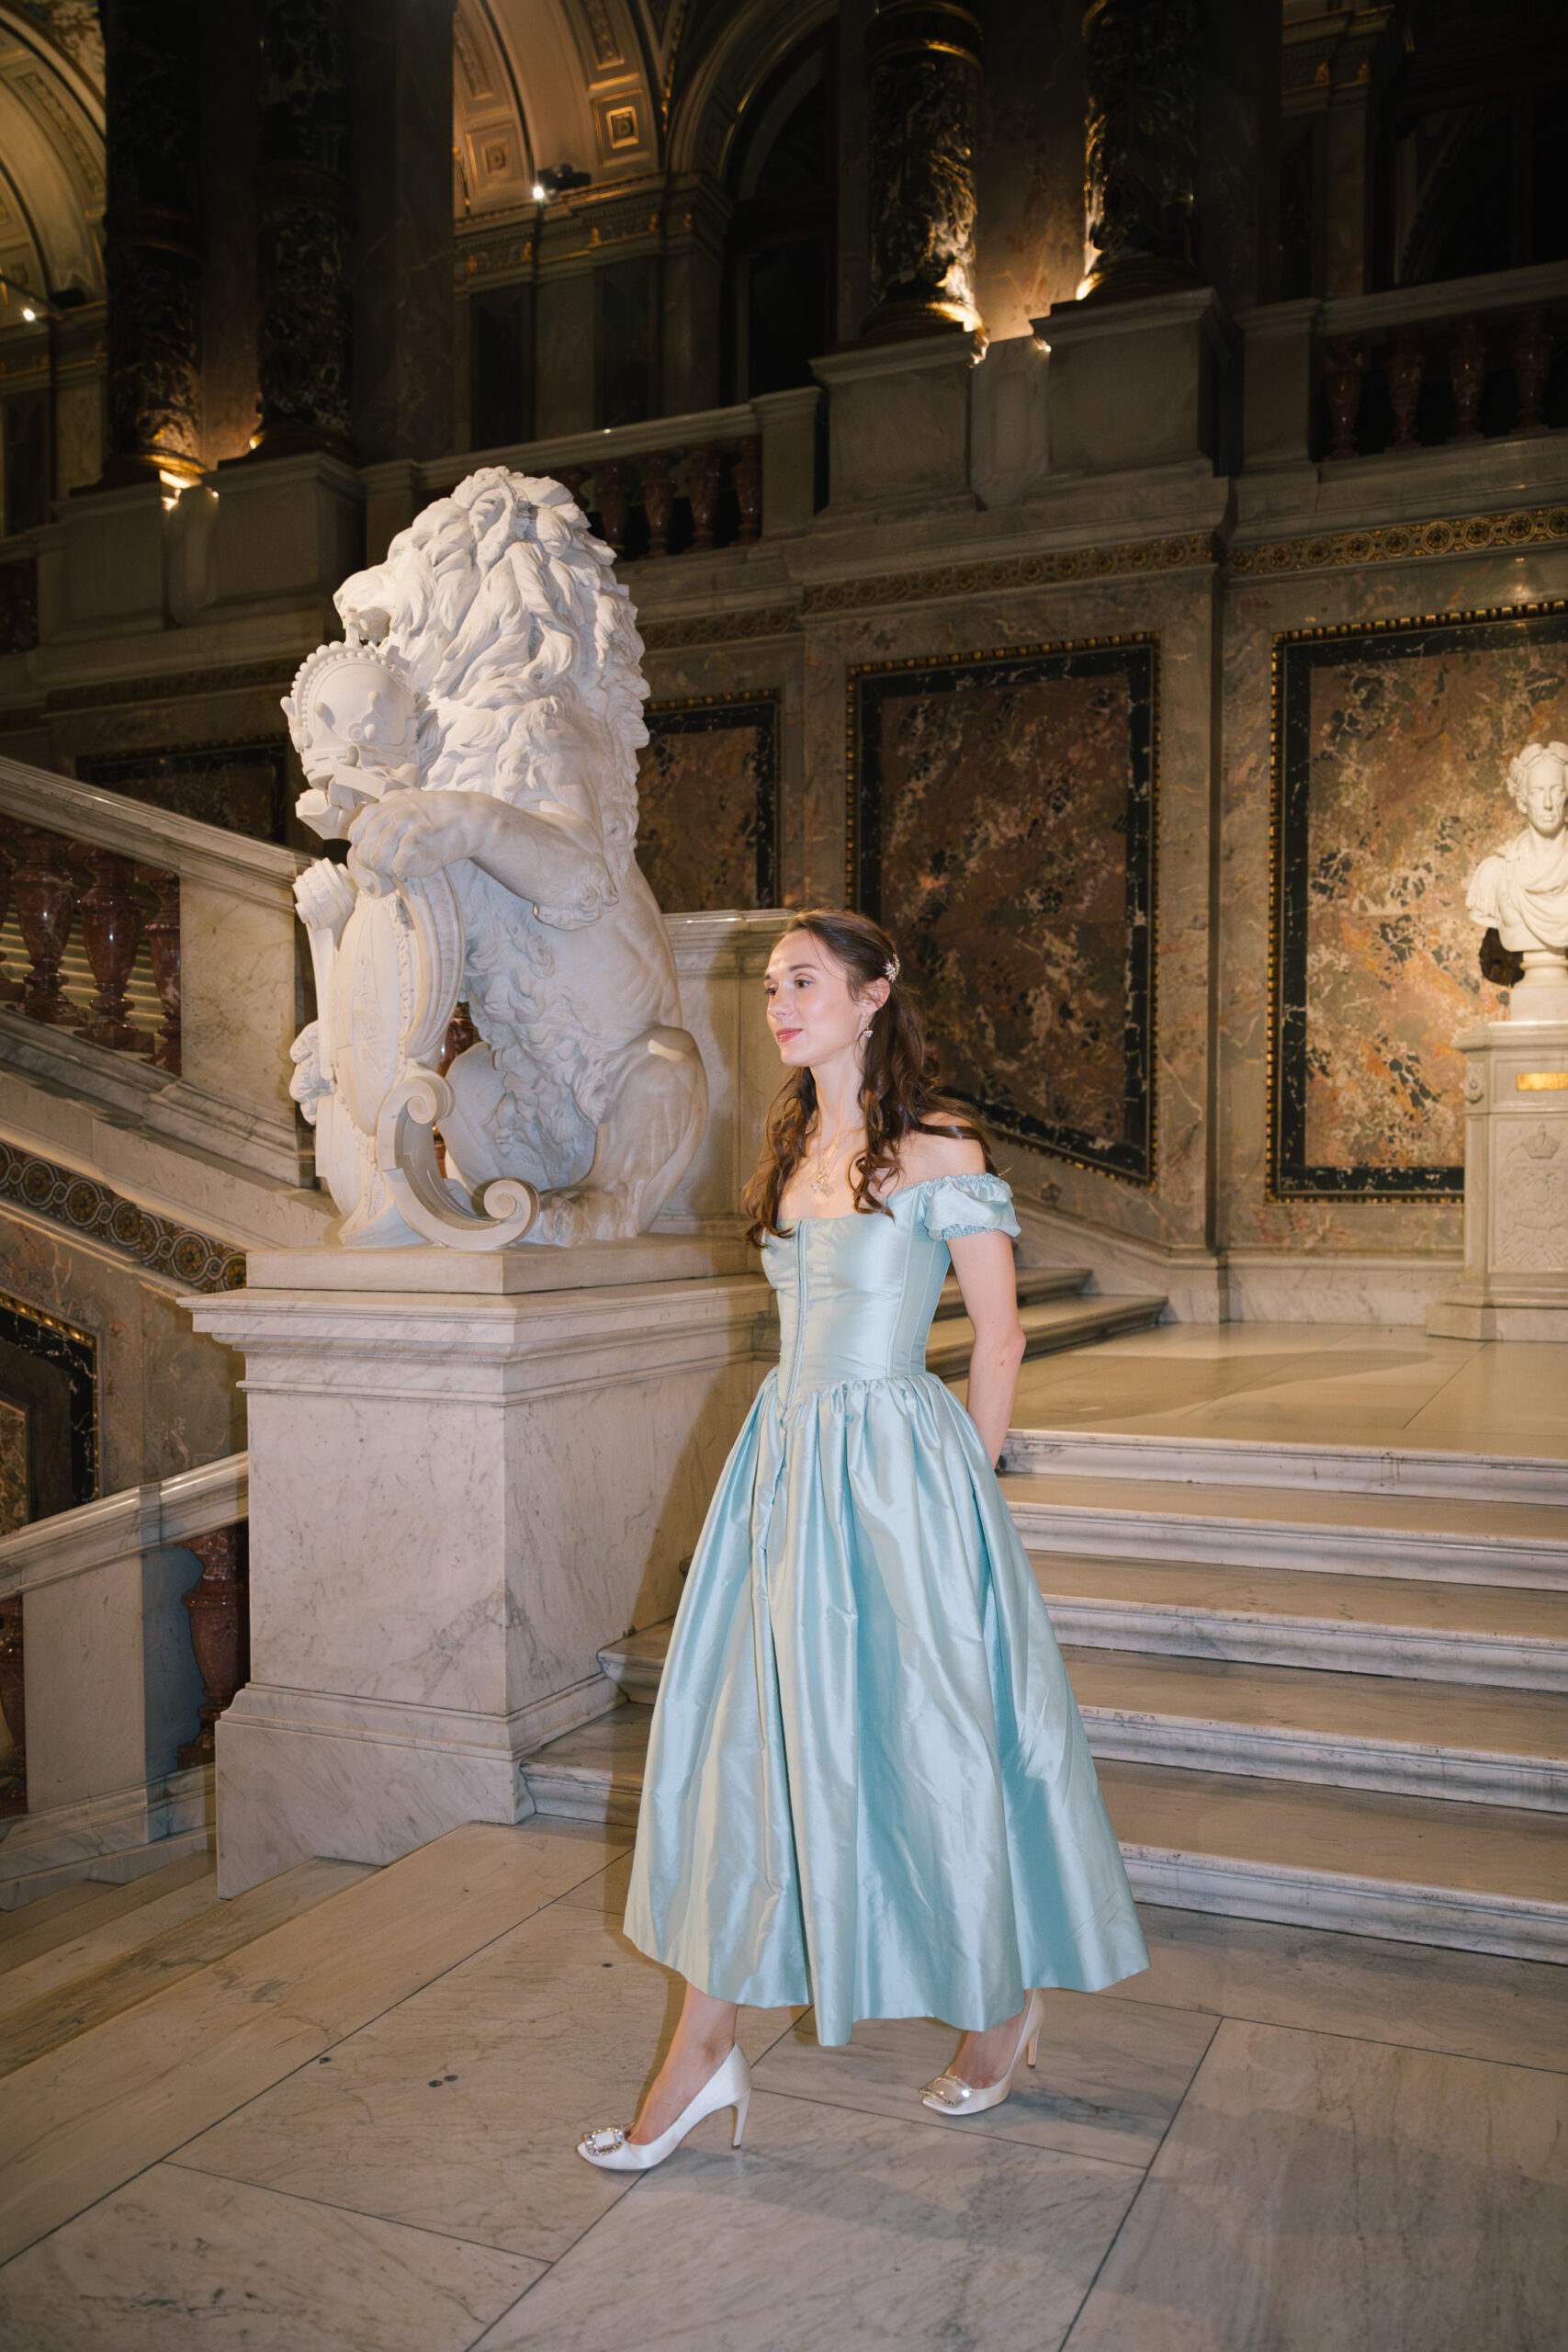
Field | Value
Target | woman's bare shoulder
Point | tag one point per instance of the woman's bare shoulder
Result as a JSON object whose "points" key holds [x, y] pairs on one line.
{"points": [[924, 1157]]}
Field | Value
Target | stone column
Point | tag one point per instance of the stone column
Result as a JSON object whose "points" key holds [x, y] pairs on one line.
{"points": [[1141, 58], [925, 88], [405, 303], [154, 266], [305, 224]]}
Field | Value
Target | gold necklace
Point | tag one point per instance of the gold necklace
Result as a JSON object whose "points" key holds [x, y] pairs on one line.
{"points": [[822, 1183]]}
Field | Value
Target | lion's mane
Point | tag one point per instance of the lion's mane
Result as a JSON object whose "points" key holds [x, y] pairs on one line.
{"points": [[509, 622]]}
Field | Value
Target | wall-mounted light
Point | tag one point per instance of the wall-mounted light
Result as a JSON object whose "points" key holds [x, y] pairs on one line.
{"points": [[556, 179]]}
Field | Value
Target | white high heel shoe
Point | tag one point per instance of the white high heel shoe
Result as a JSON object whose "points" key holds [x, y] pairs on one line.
{"points": [[729, 2085], [951, 2094]]}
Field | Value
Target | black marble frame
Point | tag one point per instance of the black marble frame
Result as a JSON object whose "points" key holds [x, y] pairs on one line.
{"points": [[1298, 655], [1137, 660], [55, 1348], [714, 714]]}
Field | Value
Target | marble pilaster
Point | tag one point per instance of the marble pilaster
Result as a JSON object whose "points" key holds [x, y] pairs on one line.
{"points": [[1514, 1283], [458, 1497], [925, 86], [1142, 155], [304, 205]]}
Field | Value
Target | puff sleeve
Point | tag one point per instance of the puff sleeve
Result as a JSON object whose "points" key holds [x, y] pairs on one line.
{"points": [[956, 1204]]}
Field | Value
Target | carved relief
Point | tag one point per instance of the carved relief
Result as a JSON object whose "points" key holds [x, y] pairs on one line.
{"points": [[1530, 1206], [154, 268]]}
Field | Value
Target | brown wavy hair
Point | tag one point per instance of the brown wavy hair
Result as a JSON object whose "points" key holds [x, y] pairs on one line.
{"points": [[896, 1096]]}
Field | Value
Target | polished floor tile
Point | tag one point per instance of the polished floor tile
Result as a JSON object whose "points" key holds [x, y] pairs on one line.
{"points": [[830, 2229], [1317, 2194], [1474, 2004], [176, 2262], [1110, 2076], [461, 2108], [75, 2123]]}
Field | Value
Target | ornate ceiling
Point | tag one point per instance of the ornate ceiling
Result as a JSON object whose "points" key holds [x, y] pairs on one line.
{"points": [[52, 152]]}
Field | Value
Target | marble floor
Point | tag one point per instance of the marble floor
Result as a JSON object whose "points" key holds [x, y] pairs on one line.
{"points": [[1307, 1384], [355, 2135]]}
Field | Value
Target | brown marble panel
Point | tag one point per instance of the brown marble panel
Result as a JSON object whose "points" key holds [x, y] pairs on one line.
{"points": [[707, 792], [13, 1506], [241, 787], [1005, 815], [1396, 747]]}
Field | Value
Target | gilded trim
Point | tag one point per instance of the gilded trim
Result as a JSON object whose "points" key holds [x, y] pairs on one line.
{"points": [[1400, 542]]}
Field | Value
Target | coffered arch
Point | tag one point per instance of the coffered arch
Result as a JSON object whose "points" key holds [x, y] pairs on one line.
{"points": [[51, 158]]}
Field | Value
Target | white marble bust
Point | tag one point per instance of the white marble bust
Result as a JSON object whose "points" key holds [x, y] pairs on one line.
{"points": [[1521, 892]]}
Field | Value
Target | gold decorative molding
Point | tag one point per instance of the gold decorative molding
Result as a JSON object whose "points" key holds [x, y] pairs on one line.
{"points": [[1517, 527], [1134, 556], [720, 628]]}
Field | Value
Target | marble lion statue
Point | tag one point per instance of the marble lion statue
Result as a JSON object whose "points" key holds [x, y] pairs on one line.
{"points": [[474, 738]]}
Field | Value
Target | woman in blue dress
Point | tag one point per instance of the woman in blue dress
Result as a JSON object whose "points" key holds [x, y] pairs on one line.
{"points": [[868, 1786]]}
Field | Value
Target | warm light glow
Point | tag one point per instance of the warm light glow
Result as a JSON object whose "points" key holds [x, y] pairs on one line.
{"points": [[538, 192], [28, 313], [177, 482]]}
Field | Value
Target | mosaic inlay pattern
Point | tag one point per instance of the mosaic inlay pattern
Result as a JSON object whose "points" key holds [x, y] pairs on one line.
{"points": [[82, 1205], [1517, 527], [707, 802], [1002, 824], [1392, 746], [46, 1340]]}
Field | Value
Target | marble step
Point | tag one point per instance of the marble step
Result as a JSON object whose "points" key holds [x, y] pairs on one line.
{"points": [[1422, 1870], [1034, 1283], [1496, 1636], [1049, 1325], [1503, 1637], [1458, 1476], [1405, 1738], [1357, 1533], [1402, 1736], [117, 1962]]}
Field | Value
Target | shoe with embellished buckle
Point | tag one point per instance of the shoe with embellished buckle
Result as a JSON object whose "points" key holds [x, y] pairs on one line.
{"points": [[951, 2094], [730, 2086]]}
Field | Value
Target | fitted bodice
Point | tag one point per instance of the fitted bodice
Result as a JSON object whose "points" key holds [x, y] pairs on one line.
{"points": [[857, 1294]]}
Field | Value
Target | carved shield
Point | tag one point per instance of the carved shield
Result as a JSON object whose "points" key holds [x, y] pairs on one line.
{"points": [[394, 988]]}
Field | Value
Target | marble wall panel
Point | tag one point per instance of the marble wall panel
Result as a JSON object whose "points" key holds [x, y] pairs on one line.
{"points": [[732, 673], [707, 795], [243, 786], [1180, 608], [1391, 753], [1259, 611], [13, 1506], [150, 1398], [1003, 815]]}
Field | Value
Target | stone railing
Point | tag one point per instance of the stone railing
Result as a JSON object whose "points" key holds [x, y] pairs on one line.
{"points": [[152, 966], [123, 1637], [675, 485], [1421, 368]]}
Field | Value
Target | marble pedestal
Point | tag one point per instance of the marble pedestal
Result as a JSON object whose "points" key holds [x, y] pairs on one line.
{"points": [[467, 1474], [1515, 1283]]}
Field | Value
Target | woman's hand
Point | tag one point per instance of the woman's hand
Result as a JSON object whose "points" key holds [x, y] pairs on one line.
{"points": [[983, 1265]]}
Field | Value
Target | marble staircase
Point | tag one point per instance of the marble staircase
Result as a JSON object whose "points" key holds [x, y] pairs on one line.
{"points": [[1054, 1309], [1325, 1686]]}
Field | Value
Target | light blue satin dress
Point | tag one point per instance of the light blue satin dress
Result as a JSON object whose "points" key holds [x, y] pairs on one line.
{"points": [[868, 1785]]}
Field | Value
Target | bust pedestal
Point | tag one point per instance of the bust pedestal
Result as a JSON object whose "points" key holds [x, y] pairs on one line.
{"points": [[1515, 1283], [467, 1475]]}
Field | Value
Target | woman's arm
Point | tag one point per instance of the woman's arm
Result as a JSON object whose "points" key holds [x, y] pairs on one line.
{"points": [[983, 1265]]}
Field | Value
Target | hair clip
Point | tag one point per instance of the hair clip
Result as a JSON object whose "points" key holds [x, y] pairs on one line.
{"points": [[891, 969]]}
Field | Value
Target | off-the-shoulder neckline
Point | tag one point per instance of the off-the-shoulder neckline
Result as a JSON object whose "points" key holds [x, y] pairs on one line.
{"points": [[921, 1184]]}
